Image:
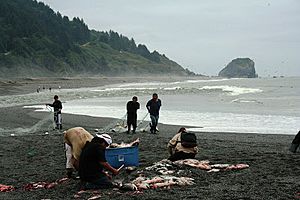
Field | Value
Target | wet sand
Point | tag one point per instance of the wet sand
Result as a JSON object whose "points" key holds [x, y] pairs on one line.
{"points": [[34, 156]]}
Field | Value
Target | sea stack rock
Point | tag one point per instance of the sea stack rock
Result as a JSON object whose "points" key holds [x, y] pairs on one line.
{"points": [[239, 68]]}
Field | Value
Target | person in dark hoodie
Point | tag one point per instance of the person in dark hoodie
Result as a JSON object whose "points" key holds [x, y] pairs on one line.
{"points": [[57, 106], [132, 107], [92, 163], [153, 107]]}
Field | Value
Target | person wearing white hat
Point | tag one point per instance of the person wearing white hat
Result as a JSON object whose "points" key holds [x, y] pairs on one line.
{"points": [[92, 163], [106, 137]]}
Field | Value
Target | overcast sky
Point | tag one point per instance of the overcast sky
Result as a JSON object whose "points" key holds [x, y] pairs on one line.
{"points": [[202, 35]]}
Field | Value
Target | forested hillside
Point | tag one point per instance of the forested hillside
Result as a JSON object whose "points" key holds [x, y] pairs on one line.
{"points": [[36, 41]]}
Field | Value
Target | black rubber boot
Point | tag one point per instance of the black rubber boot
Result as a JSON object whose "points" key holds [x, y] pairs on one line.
{"points": [[69, 172]]}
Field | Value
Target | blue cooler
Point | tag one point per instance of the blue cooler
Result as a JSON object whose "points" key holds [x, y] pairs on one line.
{"points": [[129, 156]]}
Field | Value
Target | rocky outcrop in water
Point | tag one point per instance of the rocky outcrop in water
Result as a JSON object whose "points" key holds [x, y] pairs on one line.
{"points": [[239, 68]]}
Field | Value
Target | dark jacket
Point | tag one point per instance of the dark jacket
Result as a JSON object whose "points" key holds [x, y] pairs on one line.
{"points": [[153, 107], [57, 105], [90, 168], [132, 107]]}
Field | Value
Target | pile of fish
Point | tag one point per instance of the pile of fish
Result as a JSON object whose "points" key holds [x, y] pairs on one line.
{"points": [[205, 165], [122, 145], [95, 194], [163, 167], [226, 167], [33, 186], [6, 188], [167, 167], [144, 183], [200, 164], [46, 185]]}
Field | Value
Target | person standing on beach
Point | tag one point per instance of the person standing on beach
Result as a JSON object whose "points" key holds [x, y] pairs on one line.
{"points": [[132, 107], [57, 105], [153, 107], [92, 163]]}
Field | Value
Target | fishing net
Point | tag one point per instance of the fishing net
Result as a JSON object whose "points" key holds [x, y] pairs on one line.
{"points": [[42, 124], [120, 125]]}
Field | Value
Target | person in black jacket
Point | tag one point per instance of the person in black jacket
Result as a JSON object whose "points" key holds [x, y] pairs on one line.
{"points": [[153, 107], [92, 164], [132, 107], [57, 105]]}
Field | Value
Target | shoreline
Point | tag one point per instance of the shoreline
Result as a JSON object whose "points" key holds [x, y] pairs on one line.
{"points": [[248, 120], [40, 115], [17, 86]]}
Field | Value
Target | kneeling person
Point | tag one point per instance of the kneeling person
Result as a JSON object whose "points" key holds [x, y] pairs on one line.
{"points": [[93, 162], [183, 145]]}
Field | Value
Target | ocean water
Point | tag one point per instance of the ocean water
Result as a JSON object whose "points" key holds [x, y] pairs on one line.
{"points": [[262, 105]]}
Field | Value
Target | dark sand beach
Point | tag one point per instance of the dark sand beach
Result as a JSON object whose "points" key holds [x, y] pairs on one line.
{"points": [[34, 156]]}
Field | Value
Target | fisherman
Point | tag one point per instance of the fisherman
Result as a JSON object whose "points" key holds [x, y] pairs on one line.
{"points": [[57, 105], [75, 139], [183, 145], [153, 107], [132, 107], [93, 162], [295, 143]]}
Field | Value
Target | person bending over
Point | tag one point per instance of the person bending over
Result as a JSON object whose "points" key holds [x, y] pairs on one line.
{"points": [[74, 139], [182, 146], [92, 163]]}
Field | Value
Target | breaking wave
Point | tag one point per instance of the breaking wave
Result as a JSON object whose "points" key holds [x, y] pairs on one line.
{"points": [[232, 90]]}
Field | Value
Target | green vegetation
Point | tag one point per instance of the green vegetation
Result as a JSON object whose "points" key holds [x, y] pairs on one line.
{"points": [[36, 41]]}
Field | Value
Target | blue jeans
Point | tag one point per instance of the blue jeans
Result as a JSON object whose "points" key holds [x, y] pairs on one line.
{"points": [[58, 120], [154, 122]]}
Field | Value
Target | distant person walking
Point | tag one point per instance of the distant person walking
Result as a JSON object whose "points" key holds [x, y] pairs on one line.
{"points": [[132, 107], [153, 107], [57, 105]]}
